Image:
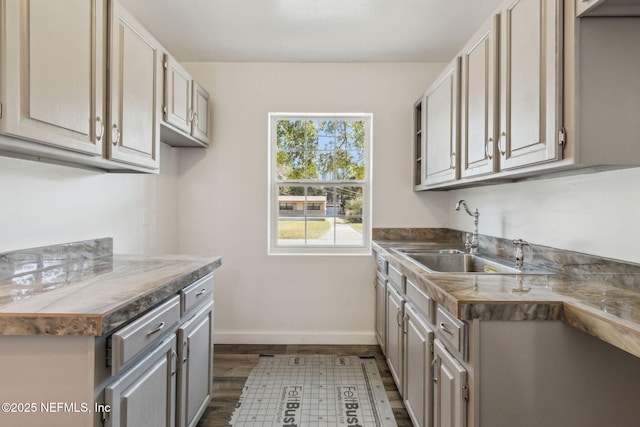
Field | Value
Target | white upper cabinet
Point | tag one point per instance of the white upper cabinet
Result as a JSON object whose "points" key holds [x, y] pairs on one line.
{"points": [[186, 108], [177, 95], [135, 91], [441, 129], [479, 101], [530, 83], [200, 126], [53, 73]]}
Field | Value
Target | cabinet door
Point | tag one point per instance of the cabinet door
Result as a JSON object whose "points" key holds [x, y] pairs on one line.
{"points": [[177, 95], [200, 127], [196, 366], [135, 92], [442, 126], [479, 96], [531, 89], [418, 384], [449, 392], [395, 312], [53, 72], [381, 312], [145, 394]]}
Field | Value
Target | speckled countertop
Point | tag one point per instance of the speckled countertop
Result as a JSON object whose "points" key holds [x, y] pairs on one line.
{"points": [[82, 289], [603, 304]]}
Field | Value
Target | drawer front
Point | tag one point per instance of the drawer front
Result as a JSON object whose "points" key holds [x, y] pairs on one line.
{"points": [[452, 330], [381, 264], [197, 292], [130, 341], [397, 279], [421, 301]]}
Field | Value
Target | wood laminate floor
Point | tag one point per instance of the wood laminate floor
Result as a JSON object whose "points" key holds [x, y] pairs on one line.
{"points": [[233, 363]]}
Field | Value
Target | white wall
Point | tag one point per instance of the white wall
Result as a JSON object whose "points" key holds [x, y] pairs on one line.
{"points": [[45, 204], [223, 197], [597, 213]]}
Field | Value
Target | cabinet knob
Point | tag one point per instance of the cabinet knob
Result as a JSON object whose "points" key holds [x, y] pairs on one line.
{"points": [[488, 148], [115, 135], [99, 129], [502, 143]]}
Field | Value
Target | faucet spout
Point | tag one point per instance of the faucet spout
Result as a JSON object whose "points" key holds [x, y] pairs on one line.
{"points": [[474, 243]]}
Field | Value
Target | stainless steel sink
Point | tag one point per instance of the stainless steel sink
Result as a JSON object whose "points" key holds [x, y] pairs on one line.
{"points": [[453, 261]]}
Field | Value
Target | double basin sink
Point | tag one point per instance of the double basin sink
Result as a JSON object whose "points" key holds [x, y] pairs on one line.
{"points": [[454, 261]]}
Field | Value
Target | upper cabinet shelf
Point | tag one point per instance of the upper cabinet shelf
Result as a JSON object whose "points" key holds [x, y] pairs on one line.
{"points": [[542, 92], [54, 102]]}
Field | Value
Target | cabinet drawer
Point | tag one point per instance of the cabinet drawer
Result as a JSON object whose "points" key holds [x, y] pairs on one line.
{"points": [[381, 264], [452, 330], [131, 340], [396, 279], [421, 301], [199, 291]]}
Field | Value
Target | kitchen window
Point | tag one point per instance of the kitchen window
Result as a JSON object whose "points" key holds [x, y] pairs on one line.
{"points": [[319, 183]]}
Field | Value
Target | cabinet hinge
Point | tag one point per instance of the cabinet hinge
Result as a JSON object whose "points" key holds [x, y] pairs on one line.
{"points": [[562, 137], [465, 392]]}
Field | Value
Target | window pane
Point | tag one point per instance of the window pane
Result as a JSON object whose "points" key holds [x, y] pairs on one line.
{"points": [[320, 216], [348, 224]]}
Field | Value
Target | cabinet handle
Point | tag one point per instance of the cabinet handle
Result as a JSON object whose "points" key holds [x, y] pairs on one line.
{"points": [[404, 324], [186, 352], [174, 356], [115, 131], [158, 329], [443, 326], [191, 115], [398, 320], [503, 139], [202, 291], [453, 161], [195, 119], [99, 129], [486, 148]]}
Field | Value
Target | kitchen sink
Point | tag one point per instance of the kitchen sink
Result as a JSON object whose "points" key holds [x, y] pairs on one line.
{"points": [[454, 261]]}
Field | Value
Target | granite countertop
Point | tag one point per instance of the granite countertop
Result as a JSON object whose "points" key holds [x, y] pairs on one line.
{"points": [[593, 302], [88, 292]]}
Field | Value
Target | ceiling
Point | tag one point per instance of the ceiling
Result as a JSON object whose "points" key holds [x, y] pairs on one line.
{"points": [[312, 30]]}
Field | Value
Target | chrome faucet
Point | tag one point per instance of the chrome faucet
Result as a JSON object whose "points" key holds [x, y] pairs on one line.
{"points": [[473, 244], [520, 244]]}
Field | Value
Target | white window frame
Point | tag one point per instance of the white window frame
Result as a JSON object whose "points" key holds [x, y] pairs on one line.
{"points": [[274, 183]]}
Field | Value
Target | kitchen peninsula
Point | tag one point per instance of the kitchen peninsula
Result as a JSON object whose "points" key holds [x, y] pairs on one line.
{"points": [[84, 329]]}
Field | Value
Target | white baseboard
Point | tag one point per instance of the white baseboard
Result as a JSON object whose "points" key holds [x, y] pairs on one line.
{"points": [[295, 338]]}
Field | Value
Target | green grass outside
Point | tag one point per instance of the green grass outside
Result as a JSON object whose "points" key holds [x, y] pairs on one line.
{"points": [[295, 229]]}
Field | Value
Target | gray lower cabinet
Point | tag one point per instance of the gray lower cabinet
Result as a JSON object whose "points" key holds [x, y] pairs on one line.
{"points": [[145, 394], [450, 379], [195, 372], [381, 307], [418, 357], [395, 313]]}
